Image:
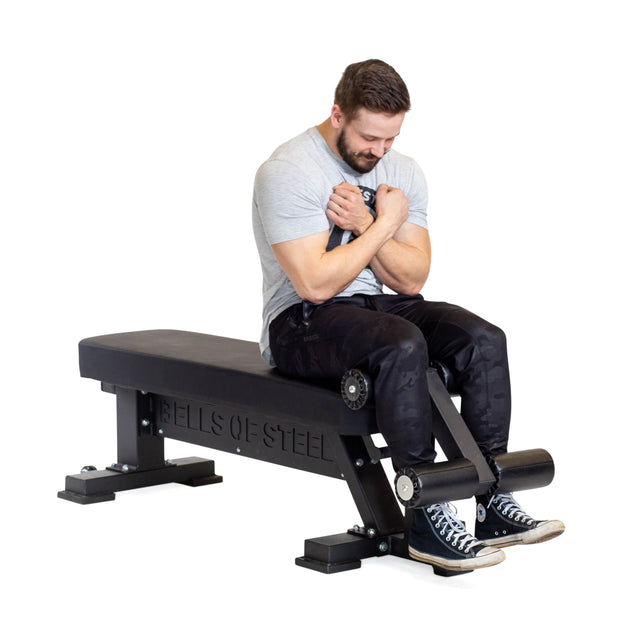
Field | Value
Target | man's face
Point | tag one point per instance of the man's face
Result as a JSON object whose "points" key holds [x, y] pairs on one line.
{"points": [[365, 138]]}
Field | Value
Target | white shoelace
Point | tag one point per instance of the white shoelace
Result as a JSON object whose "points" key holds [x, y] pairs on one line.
{"points": [[445, 517], [510, 508]]}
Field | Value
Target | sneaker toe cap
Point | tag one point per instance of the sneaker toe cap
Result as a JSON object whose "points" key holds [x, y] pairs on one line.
{"points": [[547, 530], [491, 554]]}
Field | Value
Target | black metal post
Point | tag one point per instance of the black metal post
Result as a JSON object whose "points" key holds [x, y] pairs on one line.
{"points": [[139, 449], [453, 435]]}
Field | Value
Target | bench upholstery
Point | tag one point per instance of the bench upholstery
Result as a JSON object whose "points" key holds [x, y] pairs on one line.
{"points": [[214, 369]]}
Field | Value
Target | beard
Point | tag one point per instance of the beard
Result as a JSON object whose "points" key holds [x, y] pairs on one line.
{"points": [[360, 162]]}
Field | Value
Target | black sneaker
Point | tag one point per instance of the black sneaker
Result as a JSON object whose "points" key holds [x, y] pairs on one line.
{"points": [[437, 537], [501, 522]]}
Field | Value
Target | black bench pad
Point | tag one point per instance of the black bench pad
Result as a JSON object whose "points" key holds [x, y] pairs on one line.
{"points": [[214, 369]]}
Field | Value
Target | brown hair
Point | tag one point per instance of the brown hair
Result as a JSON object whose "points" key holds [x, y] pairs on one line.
{"points": [[374, 85]]}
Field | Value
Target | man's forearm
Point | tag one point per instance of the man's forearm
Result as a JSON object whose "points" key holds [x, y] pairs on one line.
{"points": [[317, 274], [402, 263], [401, 266], [340, 266]]}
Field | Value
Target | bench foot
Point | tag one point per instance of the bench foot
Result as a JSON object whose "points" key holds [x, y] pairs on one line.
{"points": [[100, 486], [448, 573], [79, 498], [341, 552], [327, 567], [344, 551]]}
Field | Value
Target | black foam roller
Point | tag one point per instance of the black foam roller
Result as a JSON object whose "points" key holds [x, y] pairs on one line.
{"points": [[520, 470], [436, 482]]}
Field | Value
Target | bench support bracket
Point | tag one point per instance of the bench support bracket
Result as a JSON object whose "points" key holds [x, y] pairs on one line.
{"points": [[99, 486]]}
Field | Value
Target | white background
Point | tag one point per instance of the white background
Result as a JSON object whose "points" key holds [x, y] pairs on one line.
{"points": [[130, 135]]}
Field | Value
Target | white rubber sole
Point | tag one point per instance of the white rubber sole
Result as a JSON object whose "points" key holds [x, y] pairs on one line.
{"points": [[544, 531], [487, 557]]}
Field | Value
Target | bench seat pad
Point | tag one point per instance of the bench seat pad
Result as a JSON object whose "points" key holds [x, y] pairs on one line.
{"points": [[217, 370]]}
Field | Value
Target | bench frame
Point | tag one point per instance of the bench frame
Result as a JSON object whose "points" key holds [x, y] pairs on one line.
{"points": [[146, 417]]}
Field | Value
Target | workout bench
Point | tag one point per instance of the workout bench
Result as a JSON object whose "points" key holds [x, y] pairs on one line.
{"points": [[217, 392]]}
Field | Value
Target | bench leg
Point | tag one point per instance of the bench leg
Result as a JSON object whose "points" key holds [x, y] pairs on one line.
{"points": [[341, 552], [376, 503], [99, 486], [141, 461]]}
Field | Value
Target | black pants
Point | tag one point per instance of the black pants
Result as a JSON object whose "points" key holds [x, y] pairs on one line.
{"points": [[393, 338]]}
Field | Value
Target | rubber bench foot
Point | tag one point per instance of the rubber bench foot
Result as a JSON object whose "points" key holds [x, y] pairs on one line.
{"points": [[448, 573], [79, 498], [327, 567], [100, 486]]}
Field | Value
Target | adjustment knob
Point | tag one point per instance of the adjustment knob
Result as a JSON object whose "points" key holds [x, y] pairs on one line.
{"points": [[356, 389]]}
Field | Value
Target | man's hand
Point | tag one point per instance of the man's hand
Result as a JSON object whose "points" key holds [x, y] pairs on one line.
{"points": [[399, 254], [348, 210], [402, 263], [392, 206]]}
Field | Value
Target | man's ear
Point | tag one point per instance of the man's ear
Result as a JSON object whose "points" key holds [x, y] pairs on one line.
{"points": [[337, 117]]}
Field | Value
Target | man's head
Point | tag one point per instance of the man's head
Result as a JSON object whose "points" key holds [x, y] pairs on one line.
{"points": [[373, 85], [371, 100]]}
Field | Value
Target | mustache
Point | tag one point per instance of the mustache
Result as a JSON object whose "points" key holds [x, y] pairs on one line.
{"points": [[367, 156]]}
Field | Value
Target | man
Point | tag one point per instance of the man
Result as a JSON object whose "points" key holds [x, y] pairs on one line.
{"points": [[337, 215]]}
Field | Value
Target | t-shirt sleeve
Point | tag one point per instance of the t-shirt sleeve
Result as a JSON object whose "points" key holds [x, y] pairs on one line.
{"points": [[286, 203], [418, 195]]}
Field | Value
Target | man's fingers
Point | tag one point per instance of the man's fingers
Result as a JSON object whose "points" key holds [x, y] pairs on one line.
{"points": [[341, 202], [347, 186]]}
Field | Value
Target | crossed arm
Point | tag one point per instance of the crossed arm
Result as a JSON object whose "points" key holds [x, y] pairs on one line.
{"points": [[398, 252]]}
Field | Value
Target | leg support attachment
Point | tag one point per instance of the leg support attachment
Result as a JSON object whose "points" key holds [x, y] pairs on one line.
{"points": [[521, 470], [436, 482]]}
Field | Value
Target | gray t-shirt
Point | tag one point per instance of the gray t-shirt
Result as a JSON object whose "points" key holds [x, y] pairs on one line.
{"points": [[291, 195]]}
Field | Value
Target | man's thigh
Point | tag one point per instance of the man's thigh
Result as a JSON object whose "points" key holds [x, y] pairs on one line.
{"points": [[335, 337], [446, 327]]}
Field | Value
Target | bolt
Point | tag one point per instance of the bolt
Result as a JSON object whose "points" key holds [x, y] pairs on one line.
{"points": [[359, 462], [352, 388], [356, 528], [383, 547], [160, 432], [145, 422], [125, 467], [238, 450], [371, 533]]}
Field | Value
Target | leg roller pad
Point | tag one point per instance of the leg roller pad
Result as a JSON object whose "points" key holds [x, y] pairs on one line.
{"points": [[436, 482], [520, 470]]}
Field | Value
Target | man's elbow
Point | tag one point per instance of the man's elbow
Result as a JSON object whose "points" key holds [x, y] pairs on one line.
{"points": [[317, 299], [410, 287], [409, 290], [315, 295], [414, 290]]}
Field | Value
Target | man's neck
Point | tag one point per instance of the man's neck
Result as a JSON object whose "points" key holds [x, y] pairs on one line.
{"points": [[329, 134]]}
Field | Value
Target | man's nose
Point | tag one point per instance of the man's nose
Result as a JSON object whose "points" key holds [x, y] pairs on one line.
{"points": [[378, 149]]}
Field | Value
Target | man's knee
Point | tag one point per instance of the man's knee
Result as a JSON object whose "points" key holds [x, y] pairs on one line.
{"points": [[401, 343], [473, 343], [491, 340]]}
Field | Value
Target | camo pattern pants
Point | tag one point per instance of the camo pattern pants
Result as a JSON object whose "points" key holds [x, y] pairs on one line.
{"points": [[393, 338]]}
